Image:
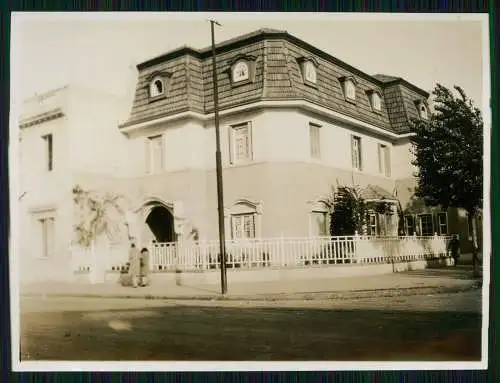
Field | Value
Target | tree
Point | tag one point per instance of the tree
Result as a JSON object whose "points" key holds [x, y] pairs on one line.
{"points": [[98, 215], [349, 211], [448, 149]]}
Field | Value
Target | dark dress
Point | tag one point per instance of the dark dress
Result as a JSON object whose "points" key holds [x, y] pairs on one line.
{"points": [[454, 247]]}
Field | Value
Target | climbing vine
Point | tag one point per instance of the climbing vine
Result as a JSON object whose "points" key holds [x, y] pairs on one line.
{"points": [[98, 215]]}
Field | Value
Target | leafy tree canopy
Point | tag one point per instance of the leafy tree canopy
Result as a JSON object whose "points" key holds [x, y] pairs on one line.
{"points": [[448, 149]]}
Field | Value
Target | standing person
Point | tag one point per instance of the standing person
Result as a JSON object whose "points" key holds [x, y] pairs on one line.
{"points": [[144, 267], [454, 247], [134, 260]]}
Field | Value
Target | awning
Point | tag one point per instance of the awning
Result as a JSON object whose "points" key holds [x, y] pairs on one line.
{"points": [[377, 194]]}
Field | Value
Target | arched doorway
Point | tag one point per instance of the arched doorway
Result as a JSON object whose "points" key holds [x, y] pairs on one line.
{"points": [[155, 221], [161, 224]]}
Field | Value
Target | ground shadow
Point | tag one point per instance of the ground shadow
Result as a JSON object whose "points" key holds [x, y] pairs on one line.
{"points": [[254, 334], [459, 272]]}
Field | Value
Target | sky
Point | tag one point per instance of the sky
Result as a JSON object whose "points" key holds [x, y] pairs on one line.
{"points": [[102, 51]]}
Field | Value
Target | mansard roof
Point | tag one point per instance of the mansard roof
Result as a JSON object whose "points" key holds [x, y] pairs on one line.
{"points": [[277, 77]]}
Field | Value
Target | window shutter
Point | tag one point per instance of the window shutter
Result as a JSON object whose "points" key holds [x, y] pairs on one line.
{"points": [[230, 146], [250, 145], [231, 226], [360, 154], [353, 152], [387, 161], [50, 236]]}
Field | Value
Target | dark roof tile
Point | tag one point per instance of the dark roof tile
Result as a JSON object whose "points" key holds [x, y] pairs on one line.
{"points": [[277, 76]]}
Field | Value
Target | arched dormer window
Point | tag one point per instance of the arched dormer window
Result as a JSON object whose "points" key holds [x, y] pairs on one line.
{"points": [[308, 67], [375, 100], [349, 87], [242, 69], [423, 111], [157, 84], [156, 88]]}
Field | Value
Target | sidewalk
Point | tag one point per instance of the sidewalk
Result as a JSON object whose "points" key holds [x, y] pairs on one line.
{"points": [[409, 283]]}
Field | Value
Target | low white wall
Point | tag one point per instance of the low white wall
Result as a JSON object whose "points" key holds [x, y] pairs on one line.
{"points": [[212, 277], [34, 270]]}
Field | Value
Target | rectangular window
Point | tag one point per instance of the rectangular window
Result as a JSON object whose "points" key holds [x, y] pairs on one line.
{"points": [[443, 223], [243, 226], [319, 224], [372, 224], [384, 160], [48, 236], [49, 151], [156, 154], [425, 223], [240, 142], [409, 224], [314, 140], [356, 152]]}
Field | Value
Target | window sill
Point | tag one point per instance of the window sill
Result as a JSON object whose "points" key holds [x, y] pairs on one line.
{"points": [[240, 83], [240, 163], [157, 98], [311, 84], [350, 100]]}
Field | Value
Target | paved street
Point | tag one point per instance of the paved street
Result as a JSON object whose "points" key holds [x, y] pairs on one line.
{"points": [[418, 327]]}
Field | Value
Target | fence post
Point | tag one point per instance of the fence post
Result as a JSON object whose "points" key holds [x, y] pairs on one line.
{"points": [[355, 245], [282, 250]]}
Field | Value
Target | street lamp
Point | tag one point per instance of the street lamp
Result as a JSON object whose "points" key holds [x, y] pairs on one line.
{"points": [[218, 165]]}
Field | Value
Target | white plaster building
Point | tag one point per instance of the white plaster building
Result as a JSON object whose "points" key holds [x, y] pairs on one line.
{"points": [[295, 121]]}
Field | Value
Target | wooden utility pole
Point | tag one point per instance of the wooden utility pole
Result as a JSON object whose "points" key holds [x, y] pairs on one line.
{"points": [[218, 164]]}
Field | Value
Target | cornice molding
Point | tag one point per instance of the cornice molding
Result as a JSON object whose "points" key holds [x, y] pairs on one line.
{"points": [[41, 118], [298, 104]]}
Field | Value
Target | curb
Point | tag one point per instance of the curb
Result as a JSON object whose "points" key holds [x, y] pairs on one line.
{"points": [[359, 294]]}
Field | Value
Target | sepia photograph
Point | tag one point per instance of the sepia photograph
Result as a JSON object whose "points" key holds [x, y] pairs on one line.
{"points": [[249, 191]]}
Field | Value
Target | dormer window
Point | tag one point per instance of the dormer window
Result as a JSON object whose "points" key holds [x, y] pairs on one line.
{"points": [[422, 109], [350, 90], [242, 69], [349, 87], [423, 112], [157, 85], [375, 100], [156, 88], [308, 67]]}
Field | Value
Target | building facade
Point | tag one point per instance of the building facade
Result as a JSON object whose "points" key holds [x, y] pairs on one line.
{"points": [[294, 122], [67, 137]]}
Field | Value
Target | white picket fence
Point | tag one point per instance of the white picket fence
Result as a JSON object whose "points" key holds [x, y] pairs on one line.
{"points": [[271, 252]]}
